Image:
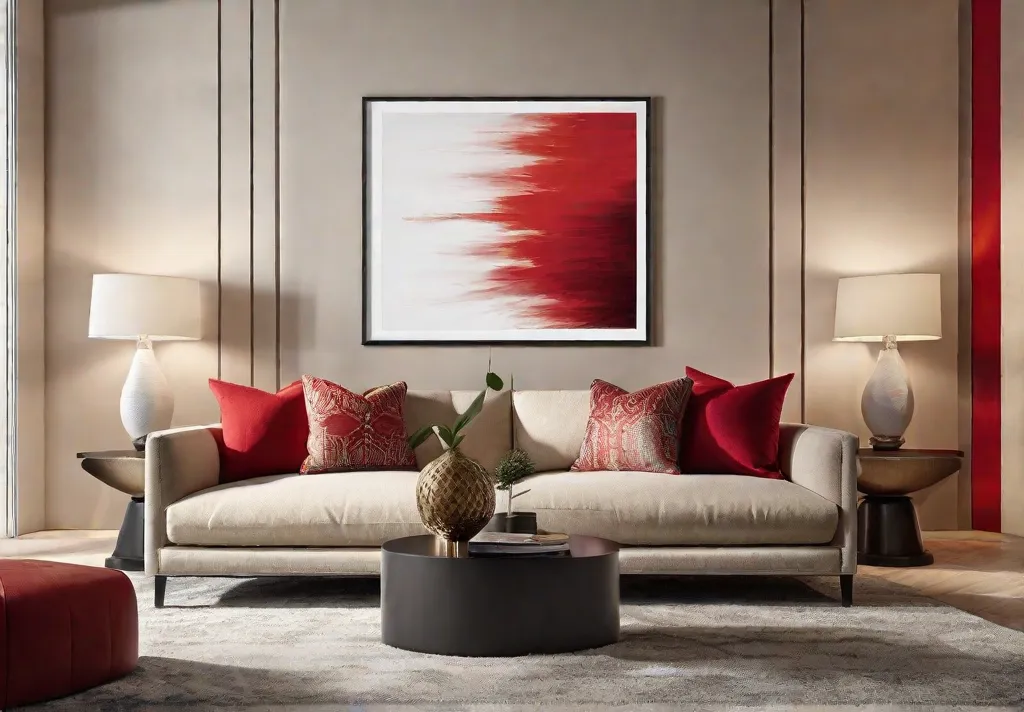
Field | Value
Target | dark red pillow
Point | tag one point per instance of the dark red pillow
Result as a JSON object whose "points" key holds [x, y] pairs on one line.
{"points": [[731, 429], [262, 433]]}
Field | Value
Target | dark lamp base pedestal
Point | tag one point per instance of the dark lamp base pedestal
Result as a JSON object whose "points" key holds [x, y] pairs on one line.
{"points": [[886, 442]]}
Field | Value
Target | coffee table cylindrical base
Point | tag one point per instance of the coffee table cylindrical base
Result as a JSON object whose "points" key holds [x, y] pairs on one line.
{"points": [[498, 606]]}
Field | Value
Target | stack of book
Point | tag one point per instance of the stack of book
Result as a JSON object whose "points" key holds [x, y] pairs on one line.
{"points": [[500, 543]]}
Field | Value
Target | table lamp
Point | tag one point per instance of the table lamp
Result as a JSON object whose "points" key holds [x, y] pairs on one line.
{"points": [[888, 308], [144, 308]]}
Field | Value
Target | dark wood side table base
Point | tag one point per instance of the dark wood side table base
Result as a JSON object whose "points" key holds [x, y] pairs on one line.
{"points": [[888, 533], [129, 552]]}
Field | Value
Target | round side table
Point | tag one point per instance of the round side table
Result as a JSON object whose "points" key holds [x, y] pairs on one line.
{"points": [[888, 532], [125, 471]]}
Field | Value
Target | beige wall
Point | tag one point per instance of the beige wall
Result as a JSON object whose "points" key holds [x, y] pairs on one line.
{"points": [[965, 241], [132, 161], [706, 63], [882, 191], [30, 233], [131, 169], [1012, 265]]}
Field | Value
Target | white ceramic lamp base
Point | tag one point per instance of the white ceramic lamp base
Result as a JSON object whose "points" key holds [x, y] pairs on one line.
{"points": [[888, 400], [147, 403]]}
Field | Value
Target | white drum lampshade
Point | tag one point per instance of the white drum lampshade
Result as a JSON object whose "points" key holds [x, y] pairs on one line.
{"points": [[145, 308], [888, 308]]}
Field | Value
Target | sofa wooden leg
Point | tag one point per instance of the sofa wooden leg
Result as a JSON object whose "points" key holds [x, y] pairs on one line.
{"points": [[846, 588], [159, 589]]}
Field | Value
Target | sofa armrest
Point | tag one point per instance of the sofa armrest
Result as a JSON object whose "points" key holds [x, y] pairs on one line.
{"points": [[178, 463], [825, 461]]}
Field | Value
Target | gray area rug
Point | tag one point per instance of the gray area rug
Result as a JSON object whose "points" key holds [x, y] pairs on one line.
{"points": [[687, 643]]}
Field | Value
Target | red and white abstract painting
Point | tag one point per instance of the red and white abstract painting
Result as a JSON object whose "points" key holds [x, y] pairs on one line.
{"points": [[506, 220]]}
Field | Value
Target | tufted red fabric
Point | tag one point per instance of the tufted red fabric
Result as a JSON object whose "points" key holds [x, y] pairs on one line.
{"points": [[348, 431], [637, 432], [63, 628], [261, 433], [733, 429]]}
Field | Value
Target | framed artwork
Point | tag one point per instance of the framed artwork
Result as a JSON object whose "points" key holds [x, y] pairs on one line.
{"points": [[493, 220]]}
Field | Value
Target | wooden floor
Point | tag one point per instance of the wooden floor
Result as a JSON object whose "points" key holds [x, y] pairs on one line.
{"points": [[978, 572]]}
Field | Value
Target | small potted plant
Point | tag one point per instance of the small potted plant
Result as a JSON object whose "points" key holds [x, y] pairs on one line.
{"points": [[513, 467]]}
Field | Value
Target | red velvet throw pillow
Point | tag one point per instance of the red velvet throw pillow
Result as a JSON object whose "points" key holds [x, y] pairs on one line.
{"points": [[733, 429], [261, 433], [348, 431], [636, 432]]}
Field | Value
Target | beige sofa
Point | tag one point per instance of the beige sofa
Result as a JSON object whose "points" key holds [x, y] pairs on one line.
{"points": [[334, 524]]}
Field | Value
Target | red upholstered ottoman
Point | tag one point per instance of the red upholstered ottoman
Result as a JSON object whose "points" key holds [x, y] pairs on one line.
{"points": [[63, 628]]}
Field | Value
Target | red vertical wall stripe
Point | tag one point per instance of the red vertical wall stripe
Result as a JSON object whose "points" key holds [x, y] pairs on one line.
{"points": [[986, 307]]}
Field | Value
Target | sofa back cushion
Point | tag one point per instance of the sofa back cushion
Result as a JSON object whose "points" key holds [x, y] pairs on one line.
{"points": [[550, 426], [488, 437]]}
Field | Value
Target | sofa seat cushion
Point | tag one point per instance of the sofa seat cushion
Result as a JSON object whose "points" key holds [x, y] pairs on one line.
{"points": [[651, 509], [330, 509]]}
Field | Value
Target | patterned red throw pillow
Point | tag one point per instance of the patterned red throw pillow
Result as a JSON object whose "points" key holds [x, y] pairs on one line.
{"points": [[733, 429], [348, 431], [637, 432], [260, 433]]}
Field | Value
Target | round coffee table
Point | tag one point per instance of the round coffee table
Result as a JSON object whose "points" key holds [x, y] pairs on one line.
{"points": [[434, 600]]}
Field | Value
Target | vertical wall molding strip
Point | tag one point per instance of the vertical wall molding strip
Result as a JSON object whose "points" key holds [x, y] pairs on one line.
{"points": [[236, 195], [986, 307], [220, 173], [248, 269], [771, 188], [252, 195], [1011, 165], [786, 254], [803, 212], [264, 266], [963, 311], [11, 306], [277, 195]]}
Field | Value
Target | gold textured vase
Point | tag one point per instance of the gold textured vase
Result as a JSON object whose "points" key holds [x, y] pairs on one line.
{"points": [[455, 496]]}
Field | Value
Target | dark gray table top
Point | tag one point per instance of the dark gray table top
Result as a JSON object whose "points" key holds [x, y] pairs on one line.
{"points": [[429, 546]]}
